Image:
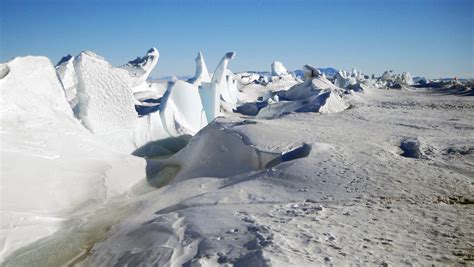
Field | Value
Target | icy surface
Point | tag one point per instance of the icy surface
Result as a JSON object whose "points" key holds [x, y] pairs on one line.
{"points": [[52, 167], [67, 75], [354, 199], [106, 103]]}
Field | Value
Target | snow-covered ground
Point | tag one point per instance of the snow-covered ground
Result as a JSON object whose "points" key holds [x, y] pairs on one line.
{"points": [[306, 173]]}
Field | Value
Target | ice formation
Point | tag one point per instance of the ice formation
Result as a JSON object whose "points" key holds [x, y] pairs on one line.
{"points": [[390, 80], [67, 75], [52, 167], [202, 74], [106, 103], [85, 113], [223, 86], [141, 67], [224, 80], [278, 69], [181, 109]]}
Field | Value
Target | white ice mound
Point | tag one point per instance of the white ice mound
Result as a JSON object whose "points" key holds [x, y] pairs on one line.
{"points": [[181, 109], [354, 80], [141, 67], [404, 78], [278, 69], [106, 102], [202, 74], [52, 167], [396, 81], [313, 83], [67, 75]]}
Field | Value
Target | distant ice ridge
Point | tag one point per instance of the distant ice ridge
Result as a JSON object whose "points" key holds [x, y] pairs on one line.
{"points": [[315, 94], [395, 81]]}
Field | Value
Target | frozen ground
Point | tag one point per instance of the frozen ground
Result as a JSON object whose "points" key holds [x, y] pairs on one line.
{"points": [[353, 199], [389, 181]]}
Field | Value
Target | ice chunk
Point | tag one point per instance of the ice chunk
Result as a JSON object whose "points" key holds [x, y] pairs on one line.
{"points": [[106, 102], [210, 100], [67, 75], [311, 72], [278, 69], [31, 87], [225, 81], [141, 67], [181, 109], [202, 74], [223, 86]]}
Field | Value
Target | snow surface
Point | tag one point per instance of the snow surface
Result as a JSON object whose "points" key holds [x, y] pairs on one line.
{"points": [[355, 199], [388, 181]]}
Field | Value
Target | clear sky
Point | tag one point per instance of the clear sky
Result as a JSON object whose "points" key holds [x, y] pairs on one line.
{"points": [[433, 38]]}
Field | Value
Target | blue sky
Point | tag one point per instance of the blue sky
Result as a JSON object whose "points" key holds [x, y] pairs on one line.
{"points": [[433, 38]]}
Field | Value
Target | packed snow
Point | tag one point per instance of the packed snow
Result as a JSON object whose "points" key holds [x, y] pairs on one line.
{"points": [[100, 165]]}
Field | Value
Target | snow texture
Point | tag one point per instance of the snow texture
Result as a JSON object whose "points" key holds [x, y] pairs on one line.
{"points": [[106, 102]]}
